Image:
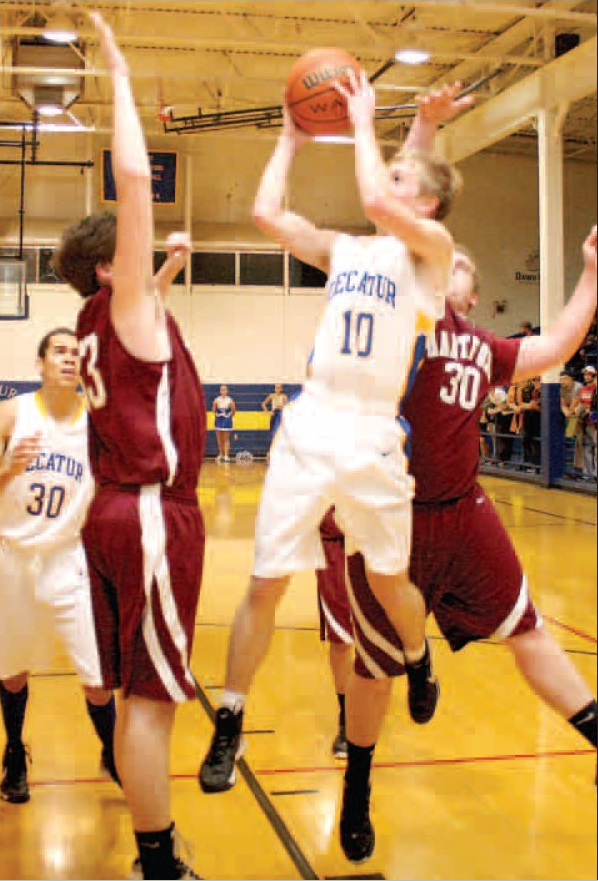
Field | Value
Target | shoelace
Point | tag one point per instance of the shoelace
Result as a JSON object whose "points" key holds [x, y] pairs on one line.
{"points": [[220, 747]]}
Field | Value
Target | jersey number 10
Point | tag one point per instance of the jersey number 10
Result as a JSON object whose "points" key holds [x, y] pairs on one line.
{"points": [[359, 334]]}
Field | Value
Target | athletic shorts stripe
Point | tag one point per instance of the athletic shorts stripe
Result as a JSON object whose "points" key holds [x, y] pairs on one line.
{"points": [[156, 568]]}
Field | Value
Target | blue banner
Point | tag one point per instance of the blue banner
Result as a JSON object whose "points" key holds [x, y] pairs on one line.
{"points": [[11, 388], [164, 167]]}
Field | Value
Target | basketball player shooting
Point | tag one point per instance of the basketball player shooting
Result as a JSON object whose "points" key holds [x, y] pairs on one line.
{"points": [[339, 443]]}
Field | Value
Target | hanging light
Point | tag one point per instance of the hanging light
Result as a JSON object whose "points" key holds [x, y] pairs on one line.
{"points": [[413, 55], [60, 29]]}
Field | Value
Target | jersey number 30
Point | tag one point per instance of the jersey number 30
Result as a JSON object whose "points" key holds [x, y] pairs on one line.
{"points": [[95, 390], [464, 386], [359, 334]]}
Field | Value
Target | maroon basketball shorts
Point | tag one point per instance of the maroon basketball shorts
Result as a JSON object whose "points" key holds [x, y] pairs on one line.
{"points": [[145, 551], [468, 570], [466, 566], [350, 614], [333, 599]]}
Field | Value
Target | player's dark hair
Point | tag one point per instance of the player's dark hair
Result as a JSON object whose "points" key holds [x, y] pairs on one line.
{"points": [[44, 345], [83, 246]]}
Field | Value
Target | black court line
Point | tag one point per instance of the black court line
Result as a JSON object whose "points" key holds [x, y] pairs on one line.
{"points": [[547, 513], [377, 877], [263, 731], [281, 793], [278, 825]]}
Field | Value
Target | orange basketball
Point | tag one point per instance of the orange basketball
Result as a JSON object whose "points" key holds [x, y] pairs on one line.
{"points": [[315, 105]]}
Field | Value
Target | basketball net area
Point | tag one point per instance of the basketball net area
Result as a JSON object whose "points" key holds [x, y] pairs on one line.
{"points": [[13, 290]]}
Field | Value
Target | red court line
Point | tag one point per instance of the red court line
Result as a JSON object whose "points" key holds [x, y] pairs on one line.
{"points": [[421, 763], [570, 629], [273, 772]]}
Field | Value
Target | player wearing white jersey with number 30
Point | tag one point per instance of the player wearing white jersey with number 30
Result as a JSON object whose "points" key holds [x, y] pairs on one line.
{"points": [[339, 443], [45, 490]]}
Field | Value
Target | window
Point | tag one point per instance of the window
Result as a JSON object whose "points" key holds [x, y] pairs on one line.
{"points": [[262, 270], [47, 275], [302, 275], [29, 256], [213, 269]]}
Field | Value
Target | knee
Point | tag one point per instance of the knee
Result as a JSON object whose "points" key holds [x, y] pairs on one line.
{"points": [[14, 684], [266, 593]]}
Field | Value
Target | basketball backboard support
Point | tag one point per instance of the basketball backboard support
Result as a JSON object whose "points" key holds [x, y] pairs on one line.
{"points": [[14, 300]]}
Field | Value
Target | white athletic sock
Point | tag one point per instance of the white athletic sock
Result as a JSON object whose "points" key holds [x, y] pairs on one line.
{"points": [[233, 701]]}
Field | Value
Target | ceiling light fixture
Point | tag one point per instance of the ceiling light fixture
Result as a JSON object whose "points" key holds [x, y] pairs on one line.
{"points": [[60, 29], [412, 55]]}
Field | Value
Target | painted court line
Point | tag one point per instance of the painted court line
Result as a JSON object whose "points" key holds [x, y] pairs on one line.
{"points": [[573, 630], [419, 763], [422, 763]]}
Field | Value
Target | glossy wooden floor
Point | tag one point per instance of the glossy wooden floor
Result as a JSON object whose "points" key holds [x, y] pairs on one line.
{"points": [[495, 788]]}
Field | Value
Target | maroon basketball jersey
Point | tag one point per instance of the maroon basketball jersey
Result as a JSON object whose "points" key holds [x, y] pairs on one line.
{"points": [[444, 406], [147, 419]]}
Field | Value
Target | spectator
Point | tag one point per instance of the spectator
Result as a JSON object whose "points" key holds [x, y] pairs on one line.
{"points": [[585, 436], [530, 408], [493, 405], [526, 328], [569, 392], [504, 423], [225, 408], [274, 404]]}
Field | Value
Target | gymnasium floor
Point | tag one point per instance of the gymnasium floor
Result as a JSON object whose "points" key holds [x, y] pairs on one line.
{"points": [[495, 788]]}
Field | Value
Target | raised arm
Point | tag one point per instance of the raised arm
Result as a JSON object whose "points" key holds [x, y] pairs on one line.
{"points": [[559, 344], [178, 248], [133, 303], [302, 238], [425, 238], [441, 105]]}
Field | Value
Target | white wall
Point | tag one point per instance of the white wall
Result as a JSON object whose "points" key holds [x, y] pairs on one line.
{"points": [[253, 336]]}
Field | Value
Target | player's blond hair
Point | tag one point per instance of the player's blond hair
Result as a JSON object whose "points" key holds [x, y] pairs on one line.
{"points": [[438, 178]]}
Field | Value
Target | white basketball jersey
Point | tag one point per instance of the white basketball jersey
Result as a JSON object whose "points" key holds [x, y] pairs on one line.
{"points": [[377, 307], [47, 504]]}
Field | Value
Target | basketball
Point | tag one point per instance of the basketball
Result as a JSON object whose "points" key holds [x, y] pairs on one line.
{"points": [[315, 105]]}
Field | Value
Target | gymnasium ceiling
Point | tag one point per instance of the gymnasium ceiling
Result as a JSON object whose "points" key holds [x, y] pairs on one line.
{"points": [[225, 56]]}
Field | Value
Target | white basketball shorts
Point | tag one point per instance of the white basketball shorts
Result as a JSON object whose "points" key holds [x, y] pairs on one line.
{"points": [[323, 456], [44, 595]]}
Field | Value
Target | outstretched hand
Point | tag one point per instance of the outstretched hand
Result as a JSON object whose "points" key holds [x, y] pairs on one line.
{"points": [[442, 105], [589, 250], [360, 97], [108, 46], [178, 247]]}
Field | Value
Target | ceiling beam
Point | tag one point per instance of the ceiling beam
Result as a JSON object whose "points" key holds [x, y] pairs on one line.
{"points": [[568, 79], [554, 13]]}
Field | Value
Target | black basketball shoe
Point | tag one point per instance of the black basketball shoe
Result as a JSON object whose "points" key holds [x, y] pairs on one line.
{"points": [[15, 787], [424, 689], [358, 838], [218, 772], [340, 747]]}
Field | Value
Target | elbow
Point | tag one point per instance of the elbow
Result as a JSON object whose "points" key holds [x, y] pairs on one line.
{"points": [[264, 219]]}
